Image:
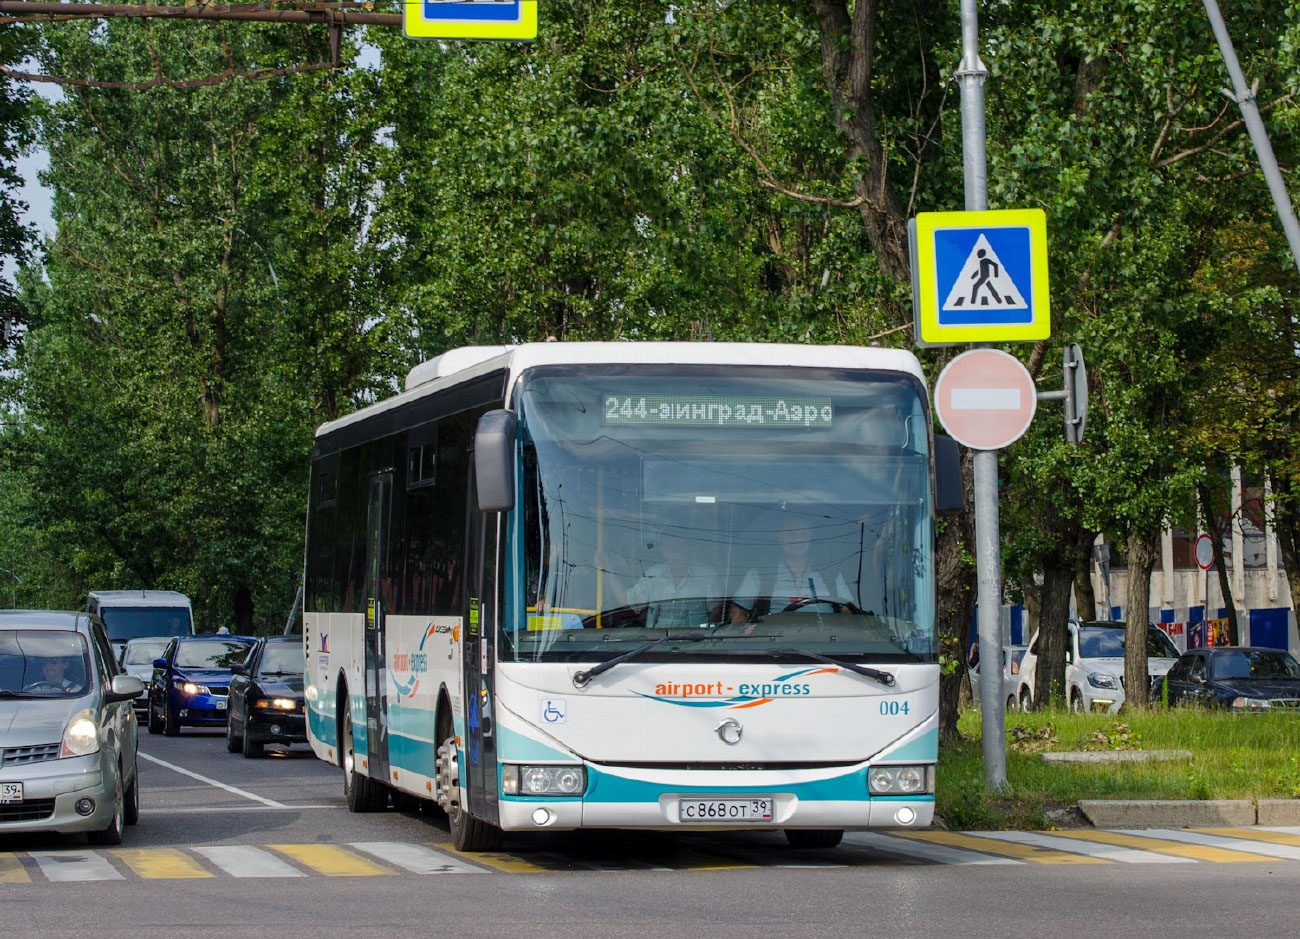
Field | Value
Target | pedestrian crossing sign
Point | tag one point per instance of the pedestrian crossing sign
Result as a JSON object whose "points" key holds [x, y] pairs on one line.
{"points": [[470, 19], [980, 276]]}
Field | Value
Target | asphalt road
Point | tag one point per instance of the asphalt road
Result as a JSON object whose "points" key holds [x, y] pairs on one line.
{"points": [[231, 846]]}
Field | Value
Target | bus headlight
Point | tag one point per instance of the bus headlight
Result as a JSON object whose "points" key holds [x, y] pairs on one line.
{"points": [[901, 780], [523, 780]]}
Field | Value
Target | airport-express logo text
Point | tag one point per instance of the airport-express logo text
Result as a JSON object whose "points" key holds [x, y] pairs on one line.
{"points": [[744, 694]]}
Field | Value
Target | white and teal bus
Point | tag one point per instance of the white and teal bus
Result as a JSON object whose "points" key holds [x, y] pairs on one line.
{"points": [[632, 585]]}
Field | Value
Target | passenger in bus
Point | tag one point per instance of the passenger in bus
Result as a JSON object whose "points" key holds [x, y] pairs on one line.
{"points": [[793, 583], [678, 592]]}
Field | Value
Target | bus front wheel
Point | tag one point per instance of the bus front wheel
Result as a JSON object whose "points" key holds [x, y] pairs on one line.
{"points": [[362, 792], [467, 832]]}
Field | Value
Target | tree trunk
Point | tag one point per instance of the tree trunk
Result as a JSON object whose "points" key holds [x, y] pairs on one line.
{"points": [[1288, 532], [1053, 635], [1215, 529], [1142, 547], [955, 579], [1085, 598]]}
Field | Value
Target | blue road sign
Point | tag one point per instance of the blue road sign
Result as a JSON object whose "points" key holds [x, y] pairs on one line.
{"points": [[980, 276]]}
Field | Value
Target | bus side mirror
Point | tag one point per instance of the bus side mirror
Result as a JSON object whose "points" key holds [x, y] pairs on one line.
{"points": [[947, 476], [494, 461]]}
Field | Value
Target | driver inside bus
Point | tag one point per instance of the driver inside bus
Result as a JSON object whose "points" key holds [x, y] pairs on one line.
{"points": [[678, 592], [794, 584]]}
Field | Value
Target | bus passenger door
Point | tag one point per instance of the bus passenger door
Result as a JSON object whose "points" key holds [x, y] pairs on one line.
{"points": [[381, 488], [479, 774]]}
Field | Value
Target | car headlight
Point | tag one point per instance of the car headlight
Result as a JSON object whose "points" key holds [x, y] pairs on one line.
{"points": [[280, 704], [523, 780], [1250, 704], [81, 737], [901, 780], [1102, 680], [189, 687]]}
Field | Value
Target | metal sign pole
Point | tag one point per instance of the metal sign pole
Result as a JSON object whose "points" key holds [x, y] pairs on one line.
{"points": [[988, 565]]}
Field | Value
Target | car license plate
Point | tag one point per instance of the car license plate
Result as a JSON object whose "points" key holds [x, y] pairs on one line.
{"points": [[11, 792], [724, 810], [221, 704]]}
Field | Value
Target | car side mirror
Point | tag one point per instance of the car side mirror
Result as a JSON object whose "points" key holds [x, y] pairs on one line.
{"points": [[494, 461], [124, 688], [947, 476], [239, 669], [159, 663]]}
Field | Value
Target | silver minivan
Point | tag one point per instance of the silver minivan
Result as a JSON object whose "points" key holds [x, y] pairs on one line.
{"points": [[68, 731]]}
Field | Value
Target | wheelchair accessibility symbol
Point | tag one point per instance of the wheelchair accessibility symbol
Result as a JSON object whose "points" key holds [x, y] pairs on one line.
{"points": [[554, 710]]}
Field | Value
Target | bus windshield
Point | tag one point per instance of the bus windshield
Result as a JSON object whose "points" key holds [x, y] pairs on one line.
{"points": [[725, 511]]}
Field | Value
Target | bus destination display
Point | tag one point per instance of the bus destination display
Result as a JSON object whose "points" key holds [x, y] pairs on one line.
{"points": [[718, 410]]}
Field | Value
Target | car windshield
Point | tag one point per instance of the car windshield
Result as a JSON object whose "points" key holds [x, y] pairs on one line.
{"points": [[774, 508], [1107, 642], [1260, 664], [143, 653], [282, 658], [133, 622], [43, 663], [211, 653]]}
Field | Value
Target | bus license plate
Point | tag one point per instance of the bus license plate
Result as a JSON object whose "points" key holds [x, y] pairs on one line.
{"points": [[724, 810], [11, 792]]}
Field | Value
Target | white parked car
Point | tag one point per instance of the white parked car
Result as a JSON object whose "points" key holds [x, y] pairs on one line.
{"points": [[1094, 666]]}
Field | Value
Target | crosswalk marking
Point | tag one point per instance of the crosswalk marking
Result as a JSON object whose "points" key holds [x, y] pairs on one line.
{"points": [[1164, 846], [1022, 852], [65, 866], [331, 860], [162, 863], [1103, 851], [1227, 838], [935, 853], [12, 870], [415, 858], [859, 849], [239, 860]]}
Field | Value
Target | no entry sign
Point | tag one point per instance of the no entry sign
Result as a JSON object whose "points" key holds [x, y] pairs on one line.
{"points": [[985, 399]]}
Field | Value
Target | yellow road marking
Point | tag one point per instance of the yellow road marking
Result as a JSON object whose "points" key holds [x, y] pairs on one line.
{"points": [[510, 863], [162, 863], [331, 860], [1252, 834], [12, 870], [1023, 852], [1196, 852]]}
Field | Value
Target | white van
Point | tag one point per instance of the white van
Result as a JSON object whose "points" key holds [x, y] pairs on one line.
{"points": [[135, 614]]}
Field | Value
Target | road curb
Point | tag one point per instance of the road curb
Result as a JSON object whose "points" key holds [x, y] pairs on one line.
{"points": [[1190, 813]]}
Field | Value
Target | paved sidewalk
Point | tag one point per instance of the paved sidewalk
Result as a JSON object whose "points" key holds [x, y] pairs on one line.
{"points": [[1191, 813]]}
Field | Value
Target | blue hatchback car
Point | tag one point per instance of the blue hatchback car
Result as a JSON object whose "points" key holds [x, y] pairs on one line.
{"points": [[191, 682]]}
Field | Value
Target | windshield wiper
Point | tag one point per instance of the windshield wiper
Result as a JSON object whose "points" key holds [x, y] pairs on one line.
{"points": [[581, 678], [19, 694], [885, 678]]}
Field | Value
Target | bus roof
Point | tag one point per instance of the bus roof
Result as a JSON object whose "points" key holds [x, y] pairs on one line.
{"points": [[458, 365]]}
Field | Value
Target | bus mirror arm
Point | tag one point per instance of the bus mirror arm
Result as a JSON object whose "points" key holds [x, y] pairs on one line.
{"points": [[494, 461]]}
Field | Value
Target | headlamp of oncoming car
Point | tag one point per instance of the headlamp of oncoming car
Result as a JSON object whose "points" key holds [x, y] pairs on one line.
{"points": [[1102, 680], [279, 704], [81, 737], [901, 780], [1250, 704], [525, 780], [190, 687]]}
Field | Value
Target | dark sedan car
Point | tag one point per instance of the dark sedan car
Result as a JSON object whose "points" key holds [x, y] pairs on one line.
{"points": [[266, 699], [191, 682], [1240, 678]]}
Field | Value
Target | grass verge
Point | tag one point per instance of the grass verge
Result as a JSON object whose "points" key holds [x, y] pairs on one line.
{"points": [[1234, 756]]}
